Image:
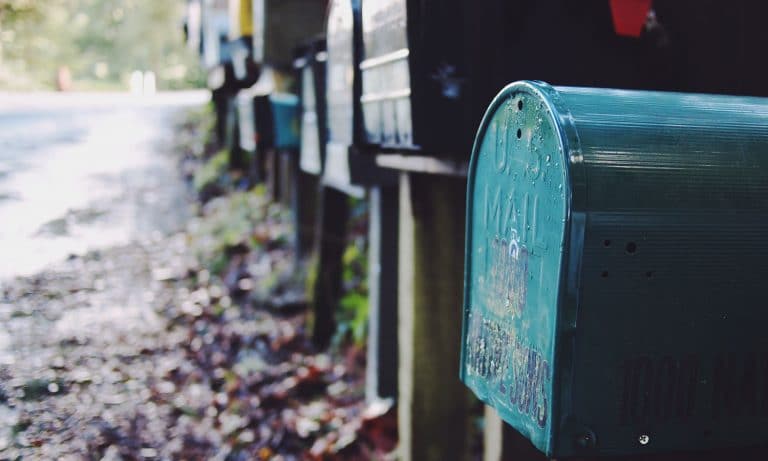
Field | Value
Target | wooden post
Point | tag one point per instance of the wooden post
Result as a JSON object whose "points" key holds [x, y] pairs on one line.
{"points": [[237, 156], [287, 172], [334, 214], [433, 404], [272, 177], [219, 98], [305, 204], [381, 367]]}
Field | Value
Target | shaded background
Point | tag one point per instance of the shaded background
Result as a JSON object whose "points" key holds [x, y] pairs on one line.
{"points": [[100, 41]]}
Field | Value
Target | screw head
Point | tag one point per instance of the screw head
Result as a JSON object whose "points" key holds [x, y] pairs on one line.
{"points": [[586, 440]]}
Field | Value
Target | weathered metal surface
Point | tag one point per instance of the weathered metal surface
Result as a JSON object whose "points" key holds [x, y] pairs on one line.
{"points": [[615, 256]]}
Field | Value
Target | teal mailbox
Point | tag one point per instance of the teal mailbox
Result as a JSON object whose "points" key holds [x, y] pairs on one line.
{"points": [[616, 265], [285, 114]]}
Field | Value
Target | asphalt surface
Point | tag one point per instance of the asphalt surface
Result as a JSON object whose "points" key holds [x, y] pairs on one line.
{"points": [[80, 172]]}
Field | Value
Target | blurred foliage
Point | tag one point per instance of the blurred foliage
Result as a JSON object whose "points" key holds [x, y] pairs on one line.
{"points": [[100, 42], [352, 315], [212, 172], [229, 222], [200, 124]]}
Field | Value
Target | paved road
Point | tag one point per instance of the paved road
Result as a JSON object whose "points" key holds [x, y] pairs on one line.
{"points": [[84, 171]]}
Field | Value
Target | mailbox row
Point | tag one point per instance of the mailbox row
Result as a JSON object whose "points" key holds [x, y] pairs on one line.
{"points": [[418, 76], [614, 238]]}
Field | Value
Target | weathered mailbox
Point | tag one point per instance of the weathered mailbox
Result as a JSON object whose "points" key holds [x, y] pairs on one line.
{"points": [[616, 259], [310, 66]]}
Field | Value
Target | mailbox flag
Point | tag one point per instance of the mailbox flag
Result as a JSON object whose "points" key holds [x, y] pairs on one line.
{"points": [[629, 16]]}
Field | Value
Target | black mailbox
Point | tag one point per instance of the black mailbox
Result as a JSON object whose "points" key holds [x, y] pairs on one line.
{"points": [[431, 67], [279, 25]]}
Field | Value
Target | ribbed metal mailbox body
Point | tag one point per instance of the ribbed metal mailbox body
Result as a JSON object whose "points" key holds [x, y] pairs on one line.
{"points": [[616, 259]]}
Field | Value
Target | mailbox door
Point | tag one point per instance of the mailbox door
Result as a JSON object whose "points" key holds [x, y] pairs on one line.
{"points": [[342, 92], [385, 70], [516, 234]]}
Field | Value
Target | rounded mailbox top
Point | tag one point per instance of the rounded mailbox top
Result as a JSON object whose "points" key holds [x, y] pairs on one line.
{"points": [[518, 202]]}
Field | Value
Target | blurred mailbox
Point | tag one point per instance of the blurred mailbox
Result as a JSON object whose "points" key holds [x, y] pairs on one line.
{"points": [[310, 67], [240, 18], [255, 121], [215, 29], [285, 113], [268, 121], [241, 42], [342, 93], [415, 74], [615, 269], [278, 25]]}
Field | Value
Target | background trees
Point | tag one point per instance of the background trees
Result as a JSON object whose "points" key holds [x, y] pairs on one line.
{"points": [[100, 42]]}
